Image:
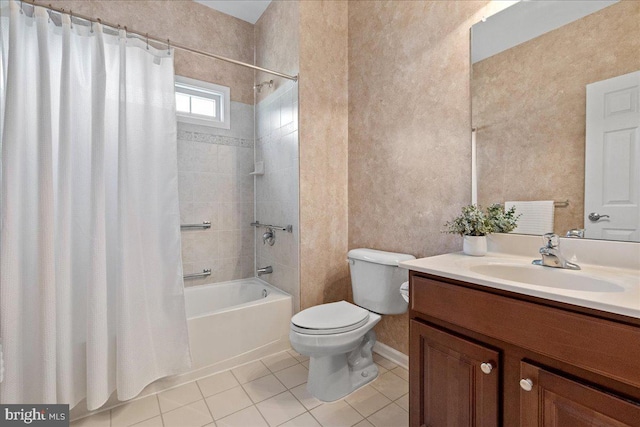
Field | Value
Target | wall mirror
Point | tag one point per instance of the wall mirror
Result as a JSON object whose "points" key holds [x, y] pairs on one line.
{"points": [[556, 111]]}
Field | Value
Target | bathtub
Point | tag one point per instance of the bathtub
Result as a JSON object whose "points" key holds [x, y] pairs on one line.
{"points": [[229, 323], [236, 321]]}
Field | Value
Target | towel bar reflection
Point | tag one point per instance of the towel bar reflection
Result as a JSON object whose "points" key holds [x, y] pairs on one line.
{"points": [[206, 272], [205, 224]]}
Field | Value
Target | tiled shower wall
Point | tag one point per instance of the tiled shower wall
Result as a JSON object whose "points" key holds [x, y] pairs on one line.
{"points": [[215, 185], [277, 189]]}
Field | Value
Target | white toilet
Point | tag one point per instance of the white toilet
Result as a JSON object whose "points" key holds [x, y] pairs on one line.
{"points": [[338, 337]]}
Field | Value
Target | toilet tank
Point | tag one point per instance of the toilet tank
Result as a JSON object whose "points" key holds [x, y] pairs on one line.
{"points": [[376, 280]]}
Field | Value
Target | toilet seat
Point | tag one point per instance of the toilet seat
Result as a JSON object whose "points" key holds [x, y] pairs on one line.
{"points": [[331, 318]]}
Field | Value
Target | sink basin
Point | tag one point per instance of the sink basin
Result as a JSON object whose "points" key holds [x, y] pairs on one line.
{"points": [[607, 288], [547, 277]]}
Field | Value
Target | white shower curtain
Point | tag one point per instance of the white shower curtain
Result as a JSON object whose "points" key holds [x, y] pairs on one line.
{"points": [[91, 291]]}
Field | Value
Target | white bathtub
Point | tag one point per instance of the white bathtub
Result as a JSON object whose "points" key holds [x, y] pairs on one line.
{"points": [[236, 320], [229, 324]]}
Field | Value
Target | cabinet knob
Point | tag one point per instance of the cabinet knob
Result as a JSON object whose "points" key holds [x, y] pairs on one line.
{"points": [[486, 367], [526, 384]]}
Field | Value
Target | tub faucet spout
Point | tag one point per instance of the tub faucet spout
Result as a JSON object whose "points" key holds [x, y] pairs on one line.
{"points": [[265, 270]]}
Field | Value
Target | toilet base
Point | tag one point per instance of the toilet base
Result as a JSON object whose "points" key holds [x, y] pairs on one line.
{"points": [[333, 377]]}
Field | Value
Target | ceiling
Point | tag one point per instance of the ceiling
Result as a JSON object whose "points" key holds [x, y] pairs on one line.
{"points": [[247, 10], [527, 20]]}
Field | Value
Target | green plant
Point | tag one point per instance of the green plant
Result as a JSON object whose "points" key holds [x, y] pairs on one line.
{"points": [[502, 221], [474, 222]]}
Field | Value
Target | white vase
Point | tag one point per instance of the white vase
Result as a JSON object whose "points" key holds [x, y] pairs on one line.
{"points": [[475, 245]]}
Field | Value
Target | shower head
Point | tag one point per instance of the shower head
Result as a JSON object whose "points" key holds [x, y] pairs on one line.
{"points": [[259, 86]]}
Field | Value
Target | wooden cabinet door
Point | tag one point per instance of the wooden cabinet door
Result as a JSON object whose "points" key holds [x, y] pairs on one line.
{"points": [[556, 401], [448, 387]]}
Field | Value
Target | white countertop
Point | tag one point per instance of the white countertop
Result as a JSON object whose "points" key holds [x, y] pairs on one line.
{"points": [[624, 300]]}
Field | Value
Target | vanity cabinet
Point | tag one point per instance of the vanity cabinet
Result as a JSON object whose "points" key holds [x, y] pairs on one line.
{"points": [[558, 401], [486, 357], [458, 379]]}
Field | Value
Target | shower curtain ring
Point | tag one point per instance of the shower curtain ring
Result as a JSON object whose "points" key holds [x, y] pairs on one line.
{"points": [[70, 18], [147, 35], [168, 47], [91, 26], [21, 5]]}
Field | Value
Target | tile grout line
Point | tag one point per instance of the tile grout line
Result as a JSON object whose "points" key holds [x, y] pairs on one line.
{"points": [[391, 401], [162, 416], [299, 401], [235, 376], [245, 391], [391, 370], [388, 404], [260, 412], [271, 372], [294, 396], [352, 407], [396, 402], [312, 416], [145, 419], [226, 416], [204, 399]]}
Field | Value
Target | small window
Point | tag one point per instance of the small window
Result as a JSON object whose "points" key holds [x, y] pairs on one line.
{"points": [[202, 103]]}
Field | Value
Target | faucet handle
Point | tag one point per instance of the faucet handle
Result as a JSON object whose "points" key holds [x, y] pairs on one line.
{"points": [[551, 240]]}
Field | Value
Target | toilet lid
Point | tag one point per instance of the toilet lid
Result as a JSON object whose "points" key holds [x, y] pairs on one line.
{"points": [[330, 318]]}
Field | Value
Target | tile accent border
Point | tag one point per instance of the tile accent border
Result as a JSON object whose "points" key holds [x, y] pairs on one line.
{"points": [[278, 133], [186, 135]]}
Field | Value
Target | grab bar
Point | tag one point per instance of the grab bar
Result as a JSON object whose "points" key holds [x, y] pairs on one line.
{"points": [[288, 228], [205, 224], [206, 272]]}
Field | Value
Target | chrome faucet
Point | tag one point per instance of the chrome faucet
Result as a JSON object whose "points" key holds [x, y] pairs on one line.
{"points": [[265, 270], [551, 255]]}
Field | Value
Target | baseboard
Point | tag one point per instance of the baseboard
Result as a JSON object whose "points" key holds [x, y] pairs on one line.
{"points": [[392, 354]]}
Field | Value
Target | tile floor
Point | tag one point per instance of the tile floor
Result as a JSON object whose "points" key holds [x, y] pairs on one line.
{"points": [[267, 392]]}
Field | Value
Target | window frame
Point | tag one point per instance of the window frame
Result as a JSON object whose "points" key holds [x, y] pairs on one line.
{"points": [[220, 94]]}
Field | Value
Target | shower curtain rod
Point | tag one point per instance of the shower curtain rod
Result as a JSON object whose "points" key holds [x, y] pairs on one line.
{"points": [[168, 42]]}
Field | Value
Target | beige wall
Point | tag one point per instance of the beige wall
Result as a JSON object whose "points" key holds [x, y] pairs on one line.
{"points": [[529, 107], [409, 129], [383, 121], [187, 23], [277, 42], [323, 152]]}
